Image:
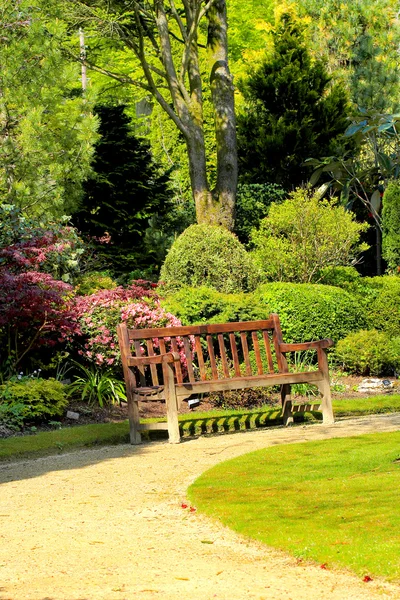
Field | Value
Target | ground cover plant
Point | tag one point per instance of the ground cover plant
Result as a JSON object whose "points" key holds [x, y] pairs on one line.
{"points": [[334, 502]]}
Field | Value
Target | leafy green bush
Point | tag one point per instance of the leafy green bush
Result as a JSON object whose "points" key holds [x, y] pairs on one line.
{"points": [[32, 399], [207, 305], [391, 225], [211, 256], [380, 299], [339, 276], [90, 283], [368, 352], [312, 311], [303, 235]]}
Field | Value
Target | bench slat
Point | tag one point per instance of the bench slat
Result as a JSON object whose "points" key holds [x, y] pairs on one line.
{"points": [[141, 369], [138, 334], [235, 356], [188, 353], [267, 346], [177, 365], [153, 368], [199, 352], [222, 351], [211, 354], [245, 347], [256, 347]]}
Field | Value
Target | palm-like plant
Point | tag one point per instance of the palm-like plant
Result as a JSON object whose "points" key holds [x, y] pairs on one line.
{"points": [[98, 387]]}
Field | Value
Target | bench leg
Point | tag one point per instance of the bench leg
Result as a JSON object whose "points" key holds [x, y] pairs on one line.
{"points": [[287, 413], [327, 412], [174, 436], [324, 387], [134, 420]]}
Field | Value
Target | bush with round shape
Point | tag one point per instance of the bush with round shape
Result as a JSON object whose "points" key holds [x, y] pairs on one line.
{"points": [[207, 305], [311, 311], [92, 282], [368, 352], [35, 399], [211, 256]]}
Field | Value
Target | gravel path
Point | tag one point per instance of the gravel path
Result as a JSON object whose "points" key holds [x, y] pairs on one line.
{"points": [[108, 524]]}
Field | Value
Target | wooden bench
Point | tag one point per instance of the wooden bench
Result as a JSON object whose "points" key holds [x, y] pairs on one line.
{"points": [[172, 363]]}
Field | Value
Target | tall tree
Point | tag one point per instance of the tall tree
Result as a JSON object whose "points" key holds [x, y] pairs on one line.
{"points": [[291, 112], [166, 37], [125, 191], [47, 129]]}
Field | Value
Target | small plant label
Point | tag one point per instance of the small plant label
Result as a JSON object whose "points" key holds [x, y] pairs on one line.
{"points": [[72, 415]]}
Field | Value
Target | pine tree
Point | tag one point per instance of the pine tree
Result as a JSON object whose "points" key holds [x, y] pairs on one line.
{"points": [[291, 112], [127, 189]]}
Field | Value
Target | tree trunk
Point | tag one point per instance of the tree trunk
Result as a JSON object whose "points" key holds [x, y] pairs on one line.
{"points": [[222, 92]]}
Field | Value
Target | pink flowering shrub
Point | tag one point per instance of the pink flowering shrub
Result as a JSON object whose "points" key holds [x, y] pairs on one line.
{"points": [[99, 314]]}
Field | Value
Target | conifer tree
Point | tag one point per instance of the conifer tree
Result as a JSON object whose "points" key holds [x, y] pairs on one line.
{"points": [[291, 112], [126, 190]]}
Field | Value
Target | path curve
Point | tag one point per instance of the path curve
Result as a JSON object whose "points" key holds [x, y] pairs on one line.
{"points": [[107, 524]]}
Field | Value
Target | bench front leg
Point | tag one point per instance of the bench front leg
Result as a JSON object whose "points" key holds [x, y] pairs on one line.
{"points": [[134, 419], [174, 436], [324, 387]]}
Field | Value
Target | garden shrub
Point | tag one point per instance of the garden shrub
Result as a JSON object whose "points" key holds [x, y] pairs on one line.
{"points": [[207, 305], [391, 226], [380, 299], [339, 276], [303, 235], [90, 283], [29, 399], [99, 314], [368, 352], [209, 255], [312, 311], [252, 203]]}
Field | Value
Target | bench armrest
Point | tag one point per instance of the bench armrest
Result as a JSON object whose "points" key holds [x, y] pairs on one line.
{"points": [[169, 357], [326, 343]]}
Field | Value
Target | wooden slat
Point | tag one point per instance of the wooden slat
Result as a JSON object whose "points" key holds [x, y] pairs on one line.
{"points": [[153, 368], [199, 352], [211, 354], [222, 351], [246, 356], [137, 334], [267, 346], [163, 350], [178, 368], [256, 347], [277, 337], [188, 353], [235, 356], [142, 371]]}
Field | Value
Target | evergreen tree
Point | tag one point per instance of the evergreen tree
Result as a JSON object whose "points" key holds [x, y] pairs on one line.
{"points": [[126, 190], [291, 112]]}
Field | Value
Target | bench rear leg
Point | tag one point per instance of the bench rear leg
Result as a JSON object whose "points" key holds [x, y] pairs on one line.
{"points": [[134, 419], [287, 413]]}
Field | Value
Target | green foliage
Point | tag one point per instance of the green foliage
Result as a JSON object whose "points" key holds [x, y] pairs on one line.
{"points": [[47, 128], [90, 283], [360, 41], [206, 305], [290, 112], [252, 203], [339, 276], [210, 256], [303, 235], [126, 190], [381, 298], [29, 399], [311, 312], [98, 386], [369, 352], [391, 226]]}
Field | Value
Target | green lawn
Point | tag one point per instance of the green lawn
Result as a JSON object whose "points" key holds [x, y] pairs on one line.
{"points": [[334, 501], [195, 423]]}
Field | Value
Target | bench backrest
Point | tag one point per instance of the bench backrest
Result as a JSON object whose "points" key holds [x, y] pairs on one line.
{"points": [[208, 352]]}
